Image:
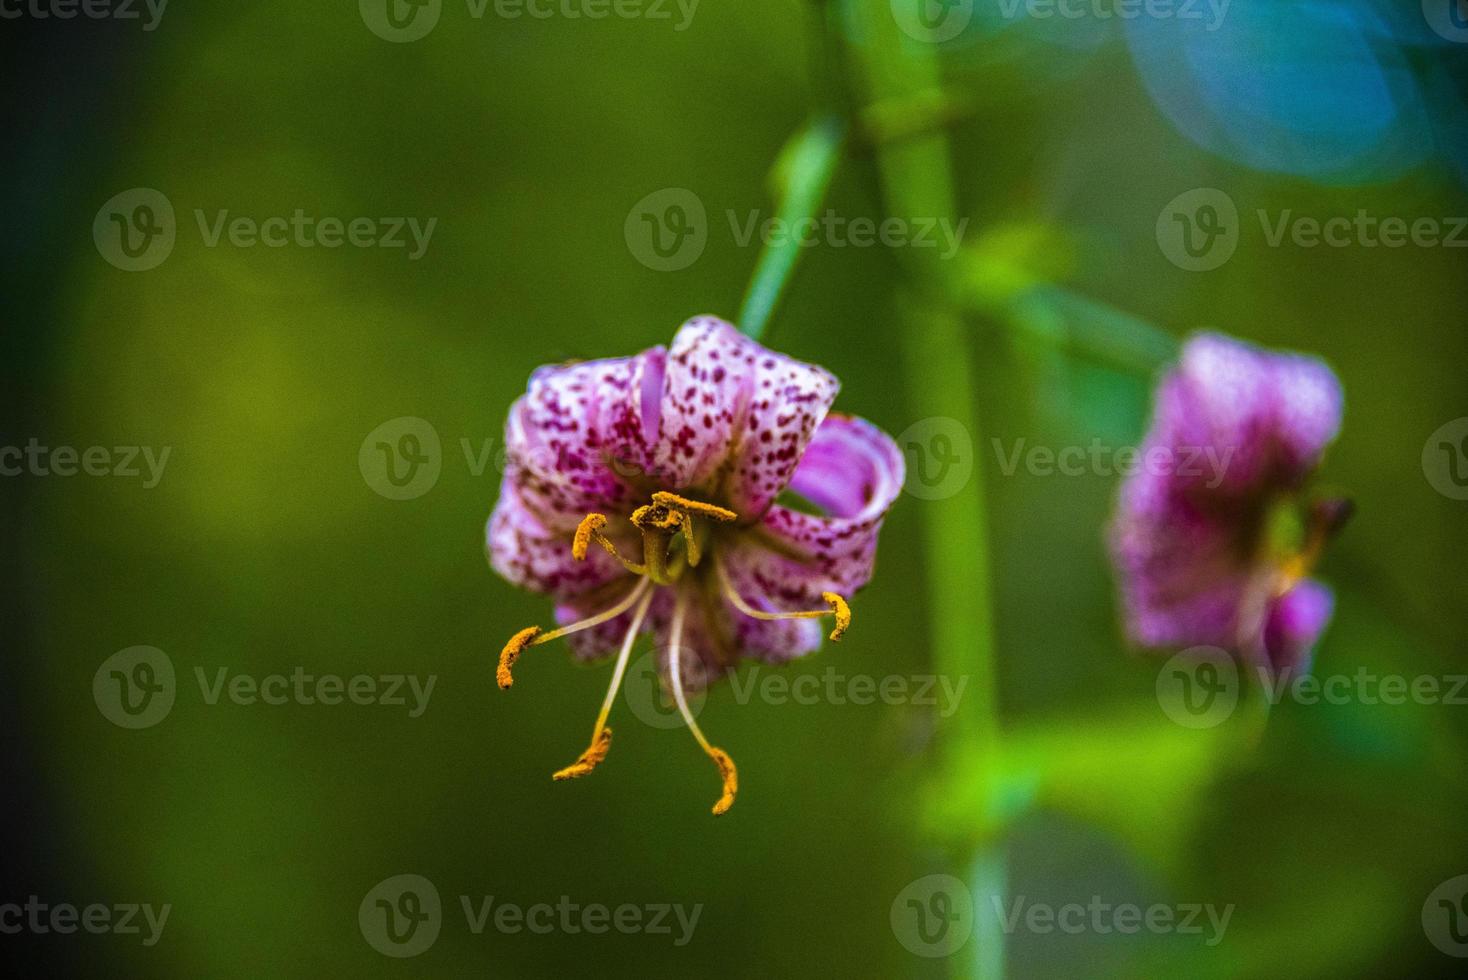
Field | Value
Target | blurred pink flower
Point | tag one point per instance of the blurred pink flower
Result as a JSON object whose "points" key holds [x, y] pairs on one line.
{"points": [[1219, 556], [640, 494]]}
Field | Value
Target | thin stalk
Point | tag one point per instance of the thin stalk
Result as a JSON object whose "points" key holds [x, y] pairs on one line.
{"points": [[917, 182], [804, 172]]}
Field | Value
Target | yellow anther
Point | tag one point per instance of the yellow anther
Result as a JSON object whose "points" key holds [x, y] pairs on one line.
{"points": [[841, 611], [674, 502], [657, 517], [589, 759], [590, 528], [512, 652], [730, 776]]}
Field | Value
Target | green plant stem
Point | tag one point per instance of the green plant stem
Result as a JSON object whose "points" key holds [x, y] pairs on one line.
{"points": [[917, 182], [802, 173]]}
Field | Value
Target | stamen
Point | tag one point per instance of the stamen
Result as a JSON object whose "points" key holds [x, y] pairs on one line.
{"points": [[512, 652], [601, 735], [727, 772], [589, 759], [842, 612], [839, 608], [531, 636], [589, 530], [674, 502], [1326, 519]]}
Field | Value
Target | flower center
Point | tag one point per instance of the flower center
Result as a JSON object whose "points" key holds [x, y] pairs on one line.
{"points": [[668, 520]]}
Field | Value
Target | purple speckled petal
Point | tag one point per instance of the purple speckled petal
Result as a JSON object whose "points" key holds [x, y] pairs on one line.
{"points": [[580, 431], [1295, 623], [529, 554], [1266, 417], [854, 471], [788, 401], [736, 416], [705, 392]]}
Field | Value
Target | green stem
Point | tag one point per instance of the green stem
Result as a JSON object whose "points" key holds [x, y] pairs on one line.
{"points": [[917, 182], [804, 171]]}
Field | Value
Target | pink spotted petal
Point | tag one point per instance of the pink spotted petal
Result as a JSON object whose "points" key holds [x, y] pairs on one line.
{"points": [[736, 416], [582, 433], [854, 472], [529, 554]]}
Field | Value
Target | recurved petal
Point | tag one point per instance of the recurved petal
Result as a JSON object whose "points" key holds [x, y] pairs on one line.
{"points": [[1295, 623], [853, 471]]}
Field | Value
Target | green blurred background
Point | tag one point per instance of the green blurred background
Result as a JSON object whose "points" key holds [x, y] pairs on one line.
{"points": [[263, 548]]}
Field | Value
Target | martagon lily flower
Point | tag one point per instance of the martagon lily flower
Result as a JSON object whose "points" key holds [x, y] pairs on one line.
{"points": [[1220, 556], [641, 493]]}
